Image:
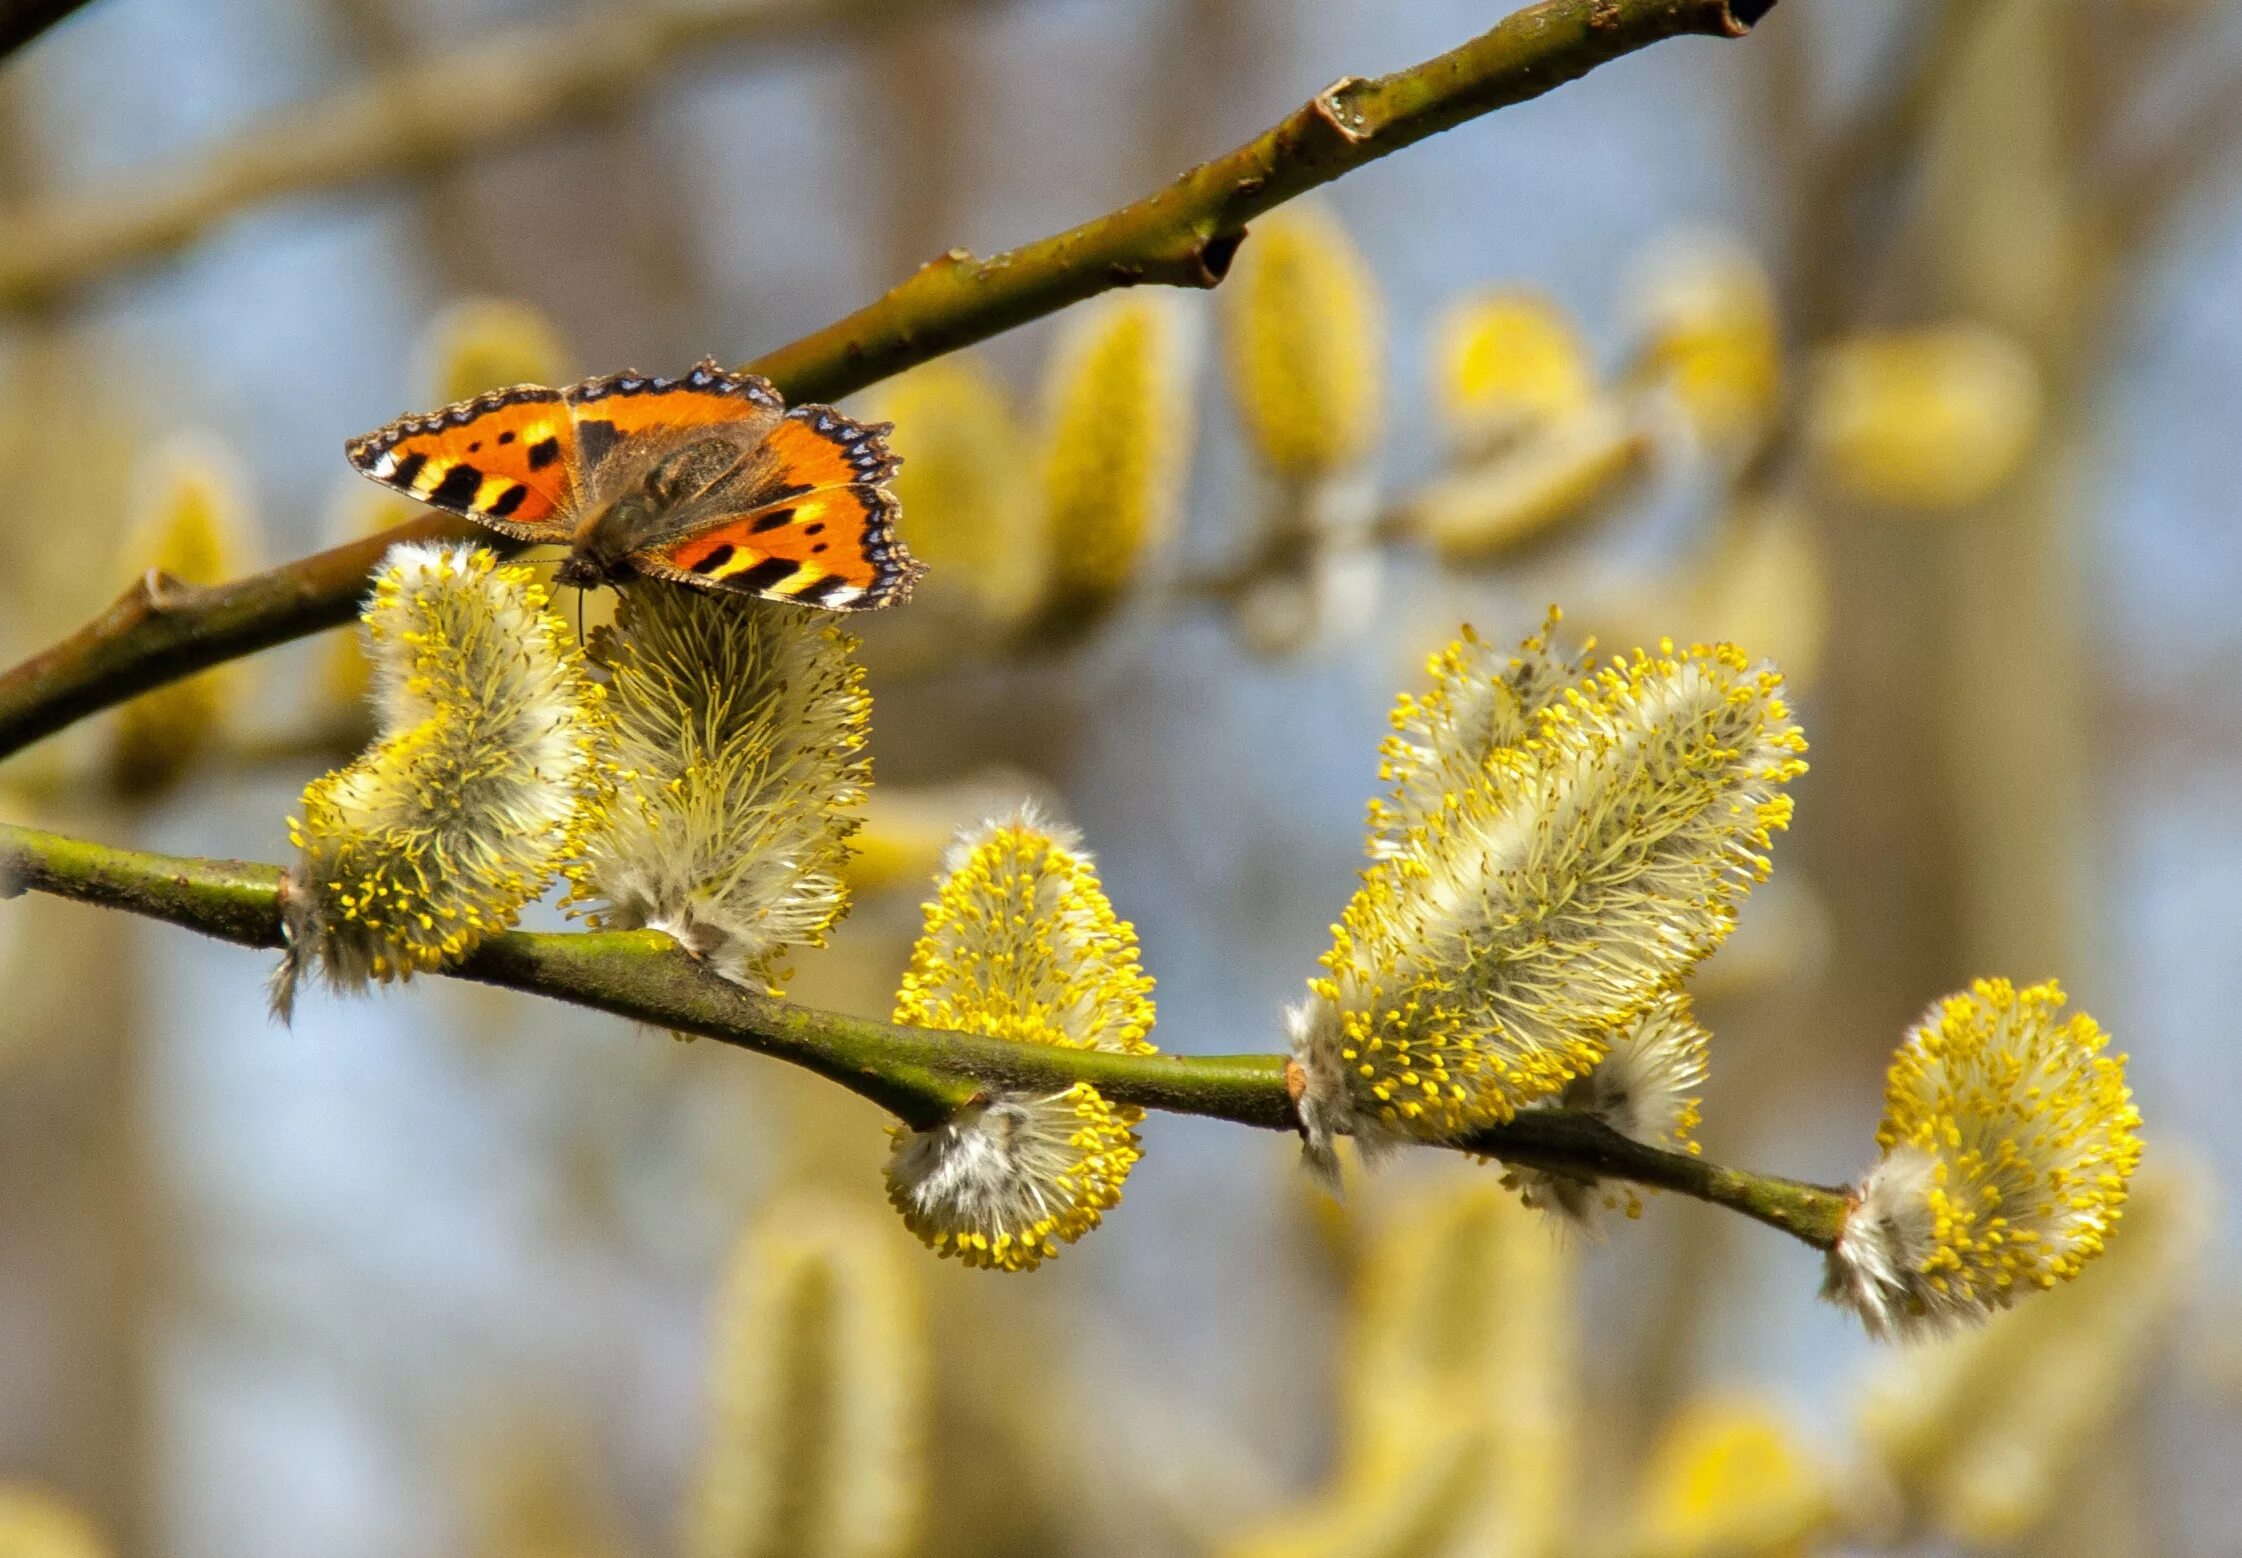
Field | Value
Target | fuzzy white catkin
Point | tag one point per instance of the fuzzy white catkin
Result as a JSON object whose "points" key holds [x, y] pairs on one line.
{"points": [[474, 795], [737, 745]]}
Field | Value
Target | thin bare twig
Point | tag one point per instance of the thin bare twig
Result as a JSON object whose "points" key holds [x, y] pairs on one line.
{"points": [[424, 113]]}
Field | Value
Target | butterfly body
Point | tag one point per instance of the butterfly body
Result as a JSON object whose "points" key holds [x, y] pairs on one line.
{"points": [[706, 480]]}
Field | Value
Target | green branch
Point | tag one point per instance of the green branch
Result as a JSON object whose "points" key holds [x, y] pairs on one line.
{"points": [[23, 20], [920, 1074], [1183, 236]]}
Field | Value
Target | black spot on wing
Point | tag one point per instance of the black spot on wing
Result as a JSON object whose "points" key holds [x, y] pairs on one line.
{"points": [[813, 594], [458, 488], [407, 468], [765, 575], [508, 501], [772, 520], [595, 440], [716, 559]]}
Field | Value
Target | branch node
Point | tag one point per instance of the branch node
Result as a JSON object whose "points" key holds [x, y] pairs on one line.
{"points": [[1738, 17], [1331, 105], [1216, 254], [164, 592]]}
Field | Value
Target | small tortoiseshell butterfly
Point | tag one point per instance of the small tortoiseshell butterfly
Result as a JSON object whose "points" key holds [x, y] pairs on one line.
{"points": [[707, 480]]}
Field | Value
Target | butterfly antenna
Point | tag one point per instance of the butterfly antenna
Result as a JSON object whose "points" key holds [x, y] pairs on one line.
{"points": [[579, 616]]}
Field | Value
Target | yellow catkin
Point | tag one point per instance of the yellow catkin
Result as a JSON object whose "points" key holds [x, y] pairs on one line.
{"points": [[1021, 943], [2009, 1138], [736, 735], [818, 1394], [970, 494], [1506, 363], [1552, 896], [1930, 420], [1646, 1088], [1117, 434], [481, 344], [1981, 1433], [1713, 339], [35, 1523], [196, 530], [1729, 1478], [908, 829], [1304, 339], [1460, 1392], [1566, 472], [1482, 699], [345, 678], [533, 1490], [478, 790]]}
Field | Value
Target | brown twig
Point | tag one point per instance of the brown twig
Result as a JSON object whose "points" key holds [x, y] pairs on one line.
{"points": [[1185, 236], [23, 20]]}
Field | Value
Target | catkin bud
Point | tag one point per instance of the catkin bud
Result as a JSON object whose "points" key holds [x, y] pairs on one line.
{"points": [[2009, 1139], [1645, 1088], [1021, 943], [1117, 419], [818, 1388], [196, 530], [475, 794], [1925, 419], [37, 1524], [1304, 339], [1729, 1477], [1506, 363], [736, 736], [1554, 895], [971, 498], [480, 344], [1562, 472], [1712, 337]]}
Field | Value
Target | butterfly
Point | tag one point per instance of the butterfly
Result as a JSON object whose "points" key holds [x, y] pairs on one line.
{"points": [[706, 479]]}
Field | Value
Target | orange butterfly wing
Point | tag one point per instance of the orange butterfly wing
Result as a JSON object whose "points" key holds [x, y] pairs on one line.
{"points": [[815, 522], [621, 407], [506, 459]]}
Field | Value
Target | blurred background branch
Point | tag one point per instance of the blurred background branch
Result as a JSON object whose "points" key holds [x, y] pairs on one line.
{"points": [[407, 118]]}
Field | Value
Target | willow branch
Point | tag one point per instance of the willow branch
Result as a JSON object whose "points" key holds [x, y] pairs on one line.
{"points": [[23, 20], [1185, 235], [920, 1074], [424, 113]]}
